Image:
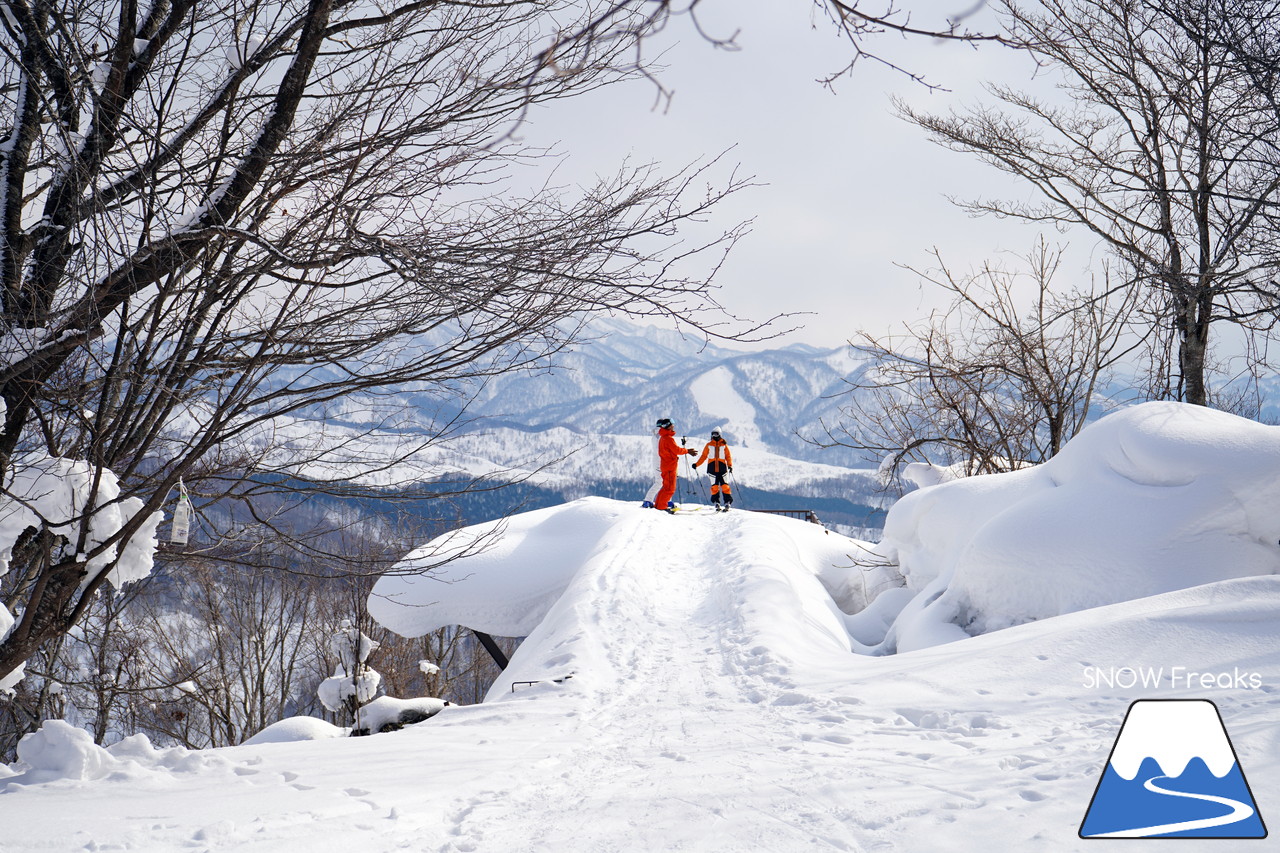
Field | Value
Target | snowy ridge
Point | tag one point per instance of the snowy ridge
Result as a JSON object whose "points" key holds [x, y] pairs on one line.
{"points": [[1172, 733], [716, 397], [623, 377]]}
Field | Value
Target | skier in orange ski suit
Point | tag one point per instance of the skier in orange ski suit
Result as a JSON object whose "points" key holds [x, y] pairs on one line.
{"points": [[669, 454]]}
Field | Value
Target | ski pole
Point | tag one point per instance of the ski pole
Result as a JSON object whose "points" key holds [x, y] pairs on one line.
{"points": [[736, 488], [694, 477], [688, 476]]}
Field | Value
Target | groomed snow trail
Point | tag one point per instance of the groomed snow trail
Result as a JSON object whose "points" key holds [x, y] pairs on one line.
{"points": [[674, 676], [694, 642]]}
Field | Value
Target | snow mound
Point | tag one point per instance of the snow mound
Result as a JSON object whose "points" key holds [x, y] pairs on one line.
{"points": [[1150, 499], [60, 751], [542, 573], [293, 729], [506, 576], [387, 709]]}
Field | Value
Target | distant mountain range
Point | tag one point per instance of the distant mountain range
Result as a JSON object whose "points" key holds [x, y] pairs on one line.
{"points": [[584, 426], [628, 376], [597, 408]]}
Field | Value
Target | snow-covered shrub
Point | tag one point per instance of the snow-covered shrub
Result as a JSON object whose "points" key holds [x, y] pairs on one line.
{"points": [[347, 690], [353, 683], [386, 713]]}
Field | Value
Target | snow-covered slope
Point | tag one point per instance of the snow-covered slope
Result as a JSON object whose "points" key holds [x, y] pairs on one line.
{"points": [[713, 706]]}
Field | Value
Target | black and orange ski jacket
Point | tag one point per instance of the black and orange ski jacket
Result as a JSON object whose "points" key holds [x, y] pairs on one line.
{"points": [[717, 456]]}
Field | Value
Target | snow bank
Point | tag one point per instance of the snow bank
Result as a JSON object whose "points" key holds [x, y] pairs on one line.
{"points": [[60, 751], [507, 576], [1150, 499]]}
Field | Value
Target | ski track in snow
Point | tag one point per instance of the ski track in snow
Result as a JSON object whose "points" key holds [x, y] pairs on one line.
{"points": [[708, 711], [703, 738]]}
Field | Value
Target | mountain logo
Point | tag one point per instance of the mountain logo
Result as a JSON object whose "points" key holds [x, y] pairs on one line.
{"points": [[1172, 773]]}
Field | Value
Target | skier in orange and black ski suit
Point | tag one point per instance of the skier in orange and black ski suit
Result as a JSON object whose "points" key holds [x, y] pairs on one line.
{"points": [[719, 462], [669, 454]]}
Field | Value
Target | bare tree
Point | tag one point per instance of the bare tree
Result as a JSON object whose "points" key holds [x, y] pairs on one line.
{"points": [[1165, 149], [1004, 376], [220, 221], [33, 700], [229, 651], [858, 22]]}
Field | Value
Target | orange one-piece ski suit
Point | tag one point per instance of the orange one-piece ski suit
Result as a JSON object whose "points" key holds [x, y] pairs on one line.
{"points": [[669, 454]]}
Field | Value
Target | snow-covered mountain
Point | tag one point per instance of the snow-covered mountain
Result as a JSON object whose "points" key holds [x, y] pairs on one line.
{"points": [[588, 419], [627, 376], [584, 426]]}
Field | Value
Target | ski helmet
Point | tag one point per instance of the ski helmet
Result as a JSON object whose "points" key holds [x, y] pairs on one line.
{"points": [[664, 423]]}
